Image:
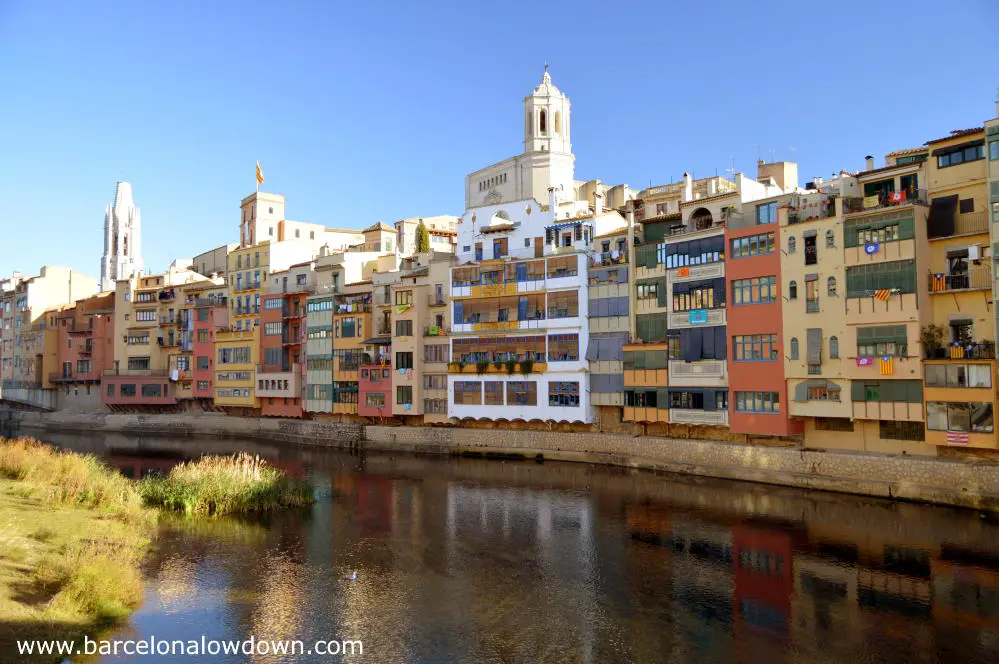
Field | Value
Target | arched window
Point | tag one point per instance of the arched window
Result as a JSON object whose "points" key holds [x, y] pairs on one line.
{"points": [[558, 122], [833, 348], [794, 348], [830, 239], [543, 122], [791, 245], [831, 286], [792, 290]]}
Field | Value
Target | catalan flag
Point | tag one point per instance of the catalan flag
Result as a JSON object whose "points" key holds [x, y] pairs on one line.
{"points": [[939, 282], [882, 294], [885, 365], [260, 174]]}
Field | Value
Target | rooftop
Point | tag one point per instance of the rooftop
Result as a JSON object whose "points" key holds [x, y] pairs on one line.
{"points": [[957, 133]]}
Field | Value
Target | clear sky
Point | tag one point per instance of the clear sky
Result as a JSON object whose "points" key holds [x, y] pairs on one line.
{"points": [[366, 111]]}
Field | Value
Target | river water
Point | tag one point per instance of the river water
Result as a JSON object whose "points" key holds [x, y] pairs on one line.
{"points": [[461, 560]]}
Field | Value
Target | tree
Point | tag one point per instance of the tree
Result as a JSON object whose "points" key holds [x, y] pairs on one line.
{"points": [[422, 238]]}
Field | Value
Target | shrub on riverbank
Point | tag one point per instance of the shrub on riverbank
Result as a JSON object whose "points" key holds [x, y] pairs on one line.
{"points": [[217, 485], [67, 478]]}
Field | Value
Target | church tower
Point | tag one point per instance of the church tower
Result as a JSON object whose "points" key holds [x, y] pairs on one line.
{"points": [[122, 238], [546, 119]]}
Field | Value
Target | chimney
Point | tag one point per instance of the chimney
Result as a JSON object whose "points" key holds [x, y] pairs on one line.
{"points": [[598, 204], [870, 162], [688, 188]]}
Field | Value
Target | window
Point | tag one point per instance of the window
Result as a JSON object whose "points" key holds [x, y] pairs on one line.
{"points": [[792, 290], [757, 402], [563, 347], [974, 417], [958, 375], [766, 213], [522, 393], [898, 430], [435, 353], [758, 290], [563, 394], [794, 348], [435, 382], [642, 399], [966, 205], [827, 392], [792, 245], [145, 315], [831, 286], [138, 364], [468, 393], [375, 400], [754, 245], [833, 424], [127, 390], [500, 248], [493, 393], [239, 355], [404, 328], [865, 280], [202, 363], [833, 348], [648, 290], [755, 348], [404, 298], [203, 386], [272, 303], [811, 295], [830, 239], [153, 390], [882, 341], [960, 155], [272, 329], [994, 150], [811, 250], [695, 297], [83, 366], [404, 360]]}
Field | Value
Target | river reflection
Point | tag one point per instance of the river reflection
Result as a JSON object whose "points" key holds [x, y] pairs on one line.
{"points": [[483, 561]]}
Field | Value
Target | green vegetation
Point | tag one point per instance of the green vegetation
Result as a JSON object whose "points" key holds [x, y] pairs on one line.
{"points": [[74, 532], [422, 238], [216, 485]]}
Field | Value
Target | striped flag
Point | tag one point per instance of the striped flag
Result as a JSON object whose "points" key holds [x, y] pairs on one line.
{"points": [[939, 283], [260, 174], [884, 366], [882, 294], [957, 438]]}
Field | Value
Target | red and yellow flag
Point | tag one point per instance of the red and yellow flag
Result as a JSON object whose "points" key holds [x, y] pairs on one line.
{"points": [[884, 365], [260, 174]]}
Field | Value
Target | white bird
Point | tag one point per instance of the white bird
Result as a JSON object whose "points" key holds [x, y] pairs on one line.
{"points": [[352, 576]]}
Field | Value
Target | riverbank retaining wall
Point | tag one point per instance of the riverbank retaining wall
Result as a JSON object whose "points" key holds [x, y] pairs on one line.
{"points": [[934, 480]]}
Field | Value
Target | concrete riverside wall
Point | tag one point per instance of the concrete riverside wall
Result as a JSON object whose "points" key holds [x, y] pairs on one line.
{"points": [[934, 480]]}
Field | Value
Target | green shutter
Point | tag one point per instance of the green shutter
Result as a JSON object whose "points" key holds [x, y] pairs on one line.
{"points": [[661, 292], [662, 398]]}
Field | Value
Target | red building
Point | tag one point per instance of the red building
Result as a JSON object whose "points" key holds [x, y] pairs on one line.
{"points": [[279, 376], [763, 567], [210, 314], [374, 390], [85, 340], [758, 389]]}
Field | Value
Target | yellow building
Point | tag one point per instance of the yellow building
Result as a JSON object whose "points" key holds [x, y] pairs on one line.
{"points": [[959, 364], [236, 357]]}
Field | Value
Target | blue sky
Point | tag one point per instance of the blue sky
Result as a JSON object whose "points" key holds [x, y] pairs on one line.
{"points": [[375, 111]]}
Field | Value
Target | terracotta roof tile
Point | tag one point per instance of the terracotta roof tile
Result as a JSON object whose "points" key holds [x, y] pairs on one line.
{"points": [[958, 133]]}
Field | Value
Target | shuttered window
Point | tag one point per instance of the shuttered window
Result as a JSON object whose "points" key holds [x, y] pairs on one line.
{"points": [[865, 280], [887, 391]]}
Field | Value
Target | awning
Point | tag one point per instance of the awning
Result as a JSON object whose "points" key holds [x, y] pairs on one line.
{"points": [[940, 223], [567, 224], [378, 341], [497, 228]]}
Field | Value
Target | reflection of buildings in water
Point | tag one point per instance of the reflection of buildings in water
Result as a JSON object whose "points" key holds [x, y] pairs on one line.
{"points": [[177, 584], [825, 607], [277, 611], [763, 561], [966, 589]]}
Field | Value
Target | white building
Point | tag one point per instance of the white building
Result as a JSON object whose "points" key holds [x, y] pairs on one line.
{"points": [[263, 219], [519, 289], [122, 238]]}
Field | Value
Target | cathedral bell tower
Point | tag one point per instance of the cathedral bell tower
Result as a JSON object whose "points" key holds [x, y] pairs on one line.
{"points": [[546, 119]]}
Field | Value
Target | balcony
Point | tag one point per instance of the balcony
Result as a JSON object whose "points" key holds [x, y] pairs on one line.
{"points": [[971, 223], [811, 207], [714, 270], [859, 204], [167, 320], [87, 349], [811, 306], [435, 331], [975, 350], [977, 278], [702, 373], [136, 372], [436, 300], [292, 312], [696, 318], [166, 295], [293, 338], [609, 258], [695, 416], [80, 329], [352, 308], [279, 384]]}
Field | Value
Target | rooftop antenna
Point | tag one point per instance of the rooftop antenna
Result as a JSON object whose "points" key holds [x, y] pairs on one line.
{"points": [[731, 168]]}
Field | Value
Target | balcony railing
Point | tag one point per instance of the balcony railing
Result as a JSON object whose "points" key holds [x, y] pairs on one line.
{"points": [[352, 308], [136, 372], [976, 350], [436, 300], [855, 204], [609, 258], [813, 206], [971, 223], [291, 339], [977, 278], [811, 306], [435, 331]]}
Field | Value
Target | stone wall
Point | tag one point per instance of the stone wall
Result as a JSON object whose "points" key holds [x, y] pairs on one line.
{"points": [[935, 480]]}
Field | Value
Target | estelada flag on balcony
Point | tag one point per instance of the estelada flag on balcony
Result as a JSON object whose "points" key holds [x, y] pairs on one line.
{"points": [[957, 438], [885, 365], [882, 294], [897, 196], [939, 283]]}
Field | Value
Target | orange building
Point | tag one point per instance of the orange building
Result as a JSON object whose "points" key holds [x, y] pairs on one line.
{"points": [[84, 350]]}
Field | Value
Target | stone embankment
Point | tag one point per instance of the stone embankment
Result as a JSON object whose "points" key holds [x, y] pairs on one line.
{"points": [[934, 480]]}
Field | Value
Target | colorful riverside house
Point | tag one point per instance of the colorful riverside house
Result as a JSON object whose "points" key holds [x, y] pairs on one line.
{"points": [[886, 296], [210, 314], [149, 331], [992, 174], [280, 376], [351, 346], [236, 357], [758, 396], [85, 349], [609, 292], [812, 279], [681, 297], [959, 377]]}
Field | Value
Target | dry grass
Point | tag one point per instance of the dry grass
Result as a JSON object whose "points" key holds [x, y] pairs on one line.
{"points": [[216, 485]]}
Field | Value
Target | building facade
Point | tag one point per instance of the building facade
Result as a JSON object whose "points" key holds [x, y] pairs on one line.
{"points": [[122, 238]]}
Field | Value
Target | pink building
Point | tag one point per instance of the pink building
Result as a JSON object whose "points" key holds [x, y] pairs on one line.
{"points": [[374, 390]]}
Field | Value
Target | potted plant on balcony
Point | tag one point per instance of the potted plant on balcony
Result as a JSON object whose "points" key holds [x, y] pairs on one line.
{"points": [[511, 366], [526, 366], [498, 364], [481, 367], [931, 336], [459, 365]]}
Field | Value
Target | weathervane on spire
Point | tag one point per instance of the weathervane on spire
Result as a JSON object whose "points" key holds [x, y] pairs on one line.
{"points": [[546, 67]]}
